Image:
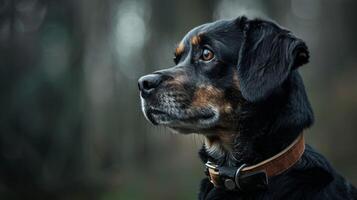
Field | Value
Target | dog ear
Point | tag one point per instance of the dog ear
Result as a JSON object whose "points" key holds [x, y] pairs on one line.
{"points": [[266, 57]]}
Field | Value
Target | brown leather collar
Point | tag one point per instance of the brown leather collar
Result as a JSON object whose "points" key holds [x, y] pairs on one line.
{"points": [[231, 178]]}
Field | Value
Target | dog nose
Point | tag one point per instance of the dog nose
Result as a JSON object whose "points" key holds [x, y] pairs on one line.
{"points": [[149, 82]]}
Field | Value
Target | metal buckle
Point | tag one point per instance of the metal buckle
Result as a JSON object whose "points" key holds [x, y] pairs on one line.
{"points": [[237, 175], [234, 179], [211, 166]]}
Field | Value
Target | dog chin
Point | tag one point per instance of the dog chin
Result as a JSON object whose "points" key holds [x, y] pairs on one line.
{"points": [[181, 120], [187, 126]]}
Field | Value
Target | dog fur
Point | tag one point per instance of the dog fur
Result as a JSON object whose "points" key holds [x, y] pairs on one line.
{"points": [[237, 83]]}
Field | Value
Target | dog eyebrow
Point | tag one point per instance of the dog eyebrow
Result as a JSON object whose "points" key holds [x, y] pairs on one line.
{"points": [[179, 49], [195, 40]]}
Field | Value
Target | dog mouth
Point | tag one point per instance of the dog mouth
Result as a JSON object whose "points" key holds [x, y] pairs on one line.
{"points": [[182, 119]]}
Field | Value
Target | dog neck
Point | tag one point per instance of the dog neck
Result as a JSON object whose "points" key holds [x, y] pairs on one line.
{"points": [[230, 149], [265, 130], [220, 147]]}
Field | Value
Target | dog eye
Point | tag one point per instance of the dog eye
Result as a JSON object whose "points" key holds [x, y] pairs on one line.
{"points": [[207, 55]]}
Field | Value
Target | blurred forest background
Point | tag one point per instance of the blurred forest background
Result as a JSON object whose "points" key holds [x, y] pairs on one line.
{"points": [[70, 120]]}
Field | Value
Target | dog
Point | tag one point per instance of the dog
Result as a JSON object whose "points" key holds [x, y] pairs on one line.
{"points": [[236, 82]]}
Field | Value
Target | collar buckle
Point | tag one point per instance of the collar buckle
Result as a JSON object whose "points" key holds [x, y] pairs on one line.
{"points": [[210, 165], [232, 178], [255, 177], [212, 172], [237, 176]]}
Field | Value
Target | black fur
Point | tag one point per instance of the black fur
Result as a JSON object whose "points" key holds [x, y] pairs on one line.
{"points": [[267, 109], [267, 56], [311, 178]]}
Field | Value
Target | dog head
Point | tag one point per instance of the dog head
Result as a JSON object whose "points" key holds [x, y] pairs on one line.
{"points": [[220, 67]]}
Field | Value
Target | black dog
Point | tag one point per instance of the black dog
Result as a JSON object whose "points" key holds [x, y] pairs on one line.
{"points": [[236, 82]]}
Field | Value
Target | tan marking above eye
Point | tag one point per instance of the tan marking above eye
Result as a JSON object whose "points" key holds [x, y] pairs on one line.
{"points": [[180, 48], [195, 40]]}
